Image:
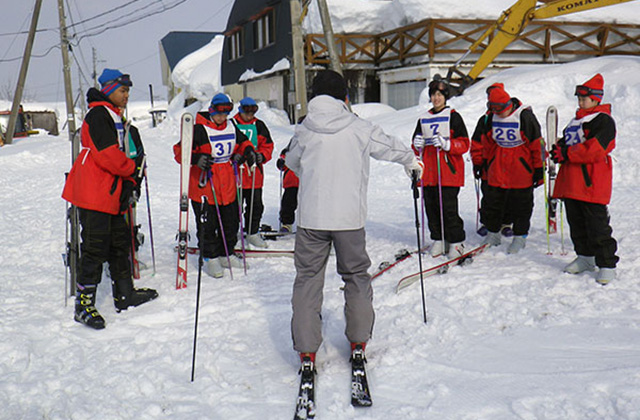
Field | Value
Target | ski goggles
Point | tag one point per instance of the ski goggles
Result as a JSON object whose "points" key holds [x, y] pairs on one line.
{"points": [[221, 108], [249, 109], [110, 86], [497, 107], [587, 91]]}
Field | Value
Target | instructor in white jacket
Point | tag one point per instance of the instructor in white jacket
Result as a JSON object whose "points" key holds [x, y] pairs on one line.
{"points": [[330, 153]]}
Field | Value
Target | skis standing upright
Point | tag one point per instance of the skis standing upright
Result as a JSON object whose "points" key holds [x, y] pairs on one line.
{"points": [[552, 135], [186, 141]]}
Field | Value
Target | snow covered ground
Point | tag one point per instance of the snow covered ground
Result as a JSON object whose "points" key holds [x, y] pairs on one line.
{"points": [[508, 337]]}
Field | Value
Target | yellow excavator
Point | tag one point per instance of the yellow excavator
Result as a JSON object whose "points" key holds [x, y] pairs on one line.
{"points": [[508, 28]]}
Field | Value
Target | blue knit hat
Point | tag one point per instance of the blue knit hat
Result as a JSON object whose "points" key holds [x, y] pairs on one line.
{"points": [[249, 103], [220, 104], [111, 79]]}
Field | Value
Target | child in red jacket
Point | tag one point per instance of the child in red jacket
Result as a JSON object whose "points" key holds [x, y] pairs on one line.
{"points": [[585, 179], [439, 140]]}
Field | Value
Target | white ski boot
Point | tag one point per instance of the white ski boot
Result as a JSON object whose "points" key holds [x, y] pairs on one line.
{"points": [[213, 267], [456, 250], [518, 244], [257, 241], [605, 275], [493, 239], [580, 264], [236, 261]]}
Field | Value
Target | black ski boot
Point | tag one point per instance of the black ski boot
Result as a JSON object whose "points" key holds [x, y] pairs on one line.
{"points": [[86, 312], [125, 295]]}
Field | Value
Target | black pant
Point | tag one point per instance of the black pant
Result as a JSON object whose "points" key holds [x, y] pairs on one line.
{"points": [[591, 232], [213, 244], [105, 238], [288, 206], [516, 201], [453, 224], [507, 219], [252, 218]]}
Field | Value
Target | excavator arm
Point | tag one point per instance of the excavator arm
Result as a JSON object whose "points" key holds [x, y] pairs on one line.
{"points": [[509, 26]]}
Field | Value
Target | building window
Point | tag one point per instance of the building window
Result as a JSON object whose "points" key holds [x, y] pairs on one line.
{"points": [[405, 94], [236, 44], [264, 30]]}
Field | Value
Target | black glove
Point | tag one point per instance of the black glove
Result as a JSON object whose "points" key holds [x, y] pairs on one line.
{"points": [[280, 164], [538, 177], [202, 160], [259, 158], [559, 154], [237, 158], [250, 156], [477, 171], [127, 197]]}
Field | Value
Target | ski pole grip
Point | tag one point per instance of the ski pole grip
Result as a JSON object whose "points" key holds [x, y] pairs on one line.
{"points": [[203, 179]]}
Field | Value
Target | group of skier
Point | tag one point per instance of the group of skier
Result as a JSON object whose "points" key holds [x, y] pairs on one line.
{"points": [[508, 155], [326, 173]]}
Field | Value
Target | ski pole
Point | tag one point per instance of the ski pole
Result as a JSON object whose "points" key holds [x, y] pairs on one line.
{"points": [[440, 198], [220, 225], [203, 220], [240, 218], [146, 189], [562, 250], [252, 170], [66, 255], [281, 183], [416, 196], [422, 209], [476, 182]]}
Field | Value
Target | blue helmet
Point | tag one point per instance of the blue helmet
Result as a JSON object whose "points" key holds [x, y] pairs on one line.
{"points": [[248, 105], [220, 104]]}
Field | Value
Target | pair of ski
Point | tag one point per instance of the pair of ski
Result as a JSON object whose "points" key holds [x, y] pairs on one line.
{"points": [[250, 253], [360, 394], [442, 268]]}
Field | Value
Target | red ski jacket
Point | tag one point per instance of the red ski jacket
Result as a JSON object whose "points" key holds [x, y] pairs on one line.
{"points": [[228, 140], [512, 148], [95, 180], [587, 173], [258, 133], [451, 162], [476, 145], [290, 179]]}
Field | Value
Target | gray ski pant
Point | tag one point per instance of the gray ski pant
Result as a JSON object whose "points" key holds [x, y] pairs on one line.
{"points": [[311, 254]]}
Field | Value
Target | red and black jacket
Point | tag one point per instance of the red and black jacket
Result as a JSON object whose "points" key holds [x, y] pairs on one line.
{"points": [[513, 167], [476, 144], [264, 145], [222, 176], [451, 162], [289, 178], [588, 172], [95, 180]]}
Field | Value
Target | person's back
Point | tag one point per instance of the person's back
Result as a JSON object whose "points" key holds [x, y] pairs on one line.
{"points": [[331, 154]]}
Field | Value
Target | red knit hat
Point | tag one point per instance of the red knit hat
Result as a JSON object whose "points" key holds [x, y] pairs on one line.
{"points": [[499, 99], [593, 88], [495, 85]]}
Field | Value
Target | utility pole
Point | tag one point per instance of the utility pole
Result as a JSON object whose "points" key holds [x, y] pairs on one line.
{"points": [[298, 60], [17, 97], [73, 252], [94, 75], [325, 17]]}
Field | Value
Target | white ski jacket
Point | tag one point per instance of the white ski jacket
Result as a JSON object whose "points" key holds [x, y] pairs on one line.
{"points": [[330, 153]]}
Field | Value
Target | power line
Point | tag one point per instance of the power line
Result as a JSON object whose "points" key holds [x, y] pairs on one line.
{"points": [[107, 28], [81, 36]]}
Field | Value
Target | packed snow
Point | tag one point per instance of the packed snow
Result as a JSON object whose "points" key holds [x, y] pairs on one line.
{"points": [[507, 337]]}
